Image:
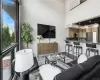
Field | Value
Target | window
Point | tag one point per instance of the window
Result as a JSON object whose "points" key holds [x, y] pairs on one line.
{"points": [[8, 23]]}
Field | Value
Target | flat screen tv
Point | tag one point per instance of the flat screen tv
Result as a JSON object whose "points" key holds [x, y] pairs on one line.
{"points": [[47, 31]]}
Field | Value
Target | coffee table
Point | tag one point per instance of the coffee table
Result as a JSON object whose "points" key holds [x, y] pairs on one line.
{"points": [[72, 63], [52, 59], [57, 60]]}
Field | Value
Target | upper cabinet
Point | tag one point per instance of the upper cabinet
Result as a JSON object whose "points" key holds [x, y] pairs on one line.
{"points": [[92, 29]]}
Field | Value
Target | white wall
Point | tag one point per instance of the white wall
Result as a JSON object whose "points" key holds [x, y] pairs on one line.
{"points": [[49, 12], [86, 10]]}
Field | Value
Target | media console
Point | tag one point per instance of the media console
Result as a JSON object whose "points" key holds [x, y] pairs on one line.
{"points": [[45, 48]]}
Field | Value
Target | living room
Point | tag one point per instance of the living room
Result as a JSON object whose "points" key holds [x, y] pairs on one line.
{"points": [[75, 41], [59, 14]]}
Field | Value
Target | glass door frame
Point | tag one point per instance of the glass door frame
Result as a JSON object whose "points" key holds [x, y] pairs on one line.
{"points": [[17, 24], [17, 37]]}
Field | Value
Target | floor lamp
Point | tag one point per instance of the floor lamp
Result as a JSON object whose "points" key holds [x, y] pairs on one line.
{"points": [[23, 61]]}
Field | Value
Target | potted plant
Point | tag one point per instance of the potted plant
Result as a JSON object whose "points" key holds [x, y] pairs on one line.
{"points": [[26, 33]]}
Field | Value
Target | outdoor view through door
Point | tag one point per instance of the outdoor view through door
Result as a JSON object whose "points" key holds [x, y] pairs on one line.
{"points": [[8, 25]]}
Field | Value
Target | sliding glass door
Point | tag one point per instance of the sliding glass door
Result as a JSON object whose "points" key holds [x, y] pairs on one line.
{"points": [[9, 35]]}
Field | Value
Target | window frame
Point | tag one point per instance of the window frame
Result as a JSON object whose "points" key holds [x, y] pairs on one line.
{"points": [[4, 52]]}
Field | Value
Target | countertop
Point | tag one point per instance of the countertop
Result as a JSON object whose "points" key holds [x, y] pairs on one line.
{"points": [[81, 41]]}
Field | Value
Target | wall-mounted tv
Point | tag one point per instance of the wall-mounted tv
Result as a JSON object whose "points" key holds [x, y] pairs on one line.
{"points": [[46, 31]]}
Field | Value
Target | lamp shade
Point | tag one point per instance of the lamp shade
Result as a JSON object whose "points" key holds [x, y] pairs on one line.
{"points": [[23, 60], [82, 58]]}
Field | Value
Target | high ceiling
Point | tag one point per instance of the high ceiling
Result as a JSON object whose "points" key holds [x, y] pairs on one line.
{"points": [[89, 21]]}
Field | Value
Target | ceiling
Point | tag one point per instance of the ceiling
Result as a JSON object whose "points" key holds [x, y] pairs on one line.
{"points": [[89, 21]]}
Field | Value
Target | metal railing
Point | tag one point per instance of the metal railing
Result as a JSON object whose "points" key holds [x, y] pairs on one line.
{"points": [[12, 49]]}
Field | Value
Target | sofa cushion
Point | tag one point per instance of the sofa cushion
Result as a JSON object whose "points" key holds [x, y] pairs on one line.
{"points": [[90, 63], [94, 74], [72, 73]]}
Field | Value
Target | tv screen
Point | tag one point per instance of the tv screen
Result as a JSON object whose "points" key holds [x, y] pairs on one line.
{"points": [[47, 31]]}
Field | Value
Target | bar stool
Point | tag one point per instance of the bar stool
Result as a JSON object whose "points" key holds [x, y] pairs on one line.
{"points": [[68, 48], [78, 50], [91, 48]]}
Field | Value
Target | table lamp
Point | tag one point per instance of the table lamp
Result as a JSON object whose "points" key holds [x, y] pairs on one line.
{"points": [[23, 60]]}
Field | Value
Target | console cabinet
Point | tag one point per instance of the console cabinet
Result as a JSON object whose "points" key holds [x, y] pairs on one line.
{"points": [[44, 48]]}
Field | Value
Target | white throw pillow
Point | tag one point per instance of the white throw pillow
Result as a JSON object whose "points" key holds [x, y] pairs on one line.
{"points": [[48, 72], [82, 58]]}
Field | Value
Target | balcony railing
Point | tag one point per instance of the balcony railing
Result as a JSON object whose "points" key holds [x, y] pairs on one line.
{"points": [[6, 62]]}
